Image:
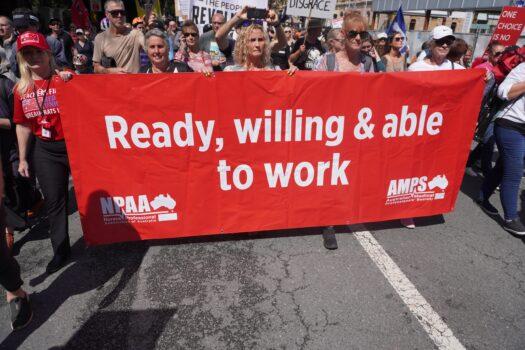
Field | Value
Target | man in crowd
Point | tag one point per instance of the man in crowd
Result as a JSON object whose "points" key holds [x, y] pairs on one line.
{"points": [[308, 49], [117, 50], [335, 40], [55, 26], [219, 47], [25, 21], [173, 37], [7, 39]]}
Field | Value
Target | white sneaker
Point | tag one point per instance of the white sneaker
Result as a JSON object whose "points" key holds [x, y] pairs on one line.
{"points": [[408, 223]]}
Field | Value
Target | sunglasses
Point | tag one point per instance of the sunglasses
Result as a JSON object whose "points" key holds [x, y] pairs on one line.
{"points": [[287, 31], [116, 13], [398, 39], [248, 23], [368, 47], [497, 54], [443, 41], [190, 34], [353, 34]]}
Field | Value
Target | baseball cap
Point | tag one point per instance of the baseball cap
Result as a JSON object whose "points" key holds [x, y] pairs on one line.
{"points": [[382, 35], [137, 20], [55, 20], [79, 31], [24, 20], [32, 39], [440, 32]]}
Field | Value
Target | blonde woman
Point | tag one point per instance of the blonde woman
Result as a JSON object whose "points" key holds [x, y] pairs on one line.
{"points": [[36, 112], [252, 51]]}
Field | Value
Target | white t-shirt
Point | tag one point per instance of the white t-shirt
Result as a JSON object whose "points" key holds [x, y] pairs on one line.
{"points": [[421, 66]]}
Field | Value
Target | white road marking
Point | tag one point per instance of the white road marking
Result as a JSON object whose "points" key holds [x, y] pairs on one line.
{"points": [[433, 324]]}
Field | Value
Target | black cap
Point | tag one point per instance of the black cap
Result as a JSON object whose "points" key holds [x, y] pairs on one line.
{"points": [[53, 20], [23, 18]]}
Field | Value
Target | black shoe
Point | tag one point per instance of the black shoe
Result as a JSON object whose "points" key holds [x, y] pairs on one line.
{"points": [[329, 240], [21, 313], [487, 207], [515, 226], [58, 262]]}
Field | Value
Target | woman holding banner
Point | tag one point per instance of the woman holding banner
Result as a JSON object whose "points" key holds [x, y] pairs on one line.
{"points": [[36, 112], [157, 46], [252, 51]]}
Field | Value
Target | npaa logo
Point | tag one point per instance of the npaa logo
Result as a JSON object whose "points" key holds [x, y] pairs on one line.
{"points": [[138, 209], [416, 189]]}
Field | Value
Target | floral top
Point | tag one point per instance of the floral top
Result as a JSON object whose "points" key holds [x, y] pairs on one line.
{"points": [[196, 61]]}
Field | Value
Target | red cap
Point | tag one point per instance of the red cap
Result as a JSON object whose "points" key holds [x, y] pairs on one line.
{"points": [[32, 39]]}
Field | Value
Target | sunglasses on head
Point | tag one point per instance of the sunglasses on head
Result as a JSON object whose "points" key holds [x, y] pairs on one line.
{"points": [[353, 34], [445, 40], [248, 23], [116, 13], [190, 34]]}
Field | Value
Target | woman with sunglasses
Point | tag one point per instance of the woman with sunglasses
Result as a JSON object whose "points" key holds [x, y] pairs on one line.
{"points": [[394, 60], [280, 57], [157, 47], [190, 52], [350, 59], [36, 113], [442, 39]]}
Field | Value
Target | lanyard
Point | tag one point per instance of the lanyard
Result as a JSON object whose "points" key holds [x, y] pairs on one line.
{"points": [[41, 107]]}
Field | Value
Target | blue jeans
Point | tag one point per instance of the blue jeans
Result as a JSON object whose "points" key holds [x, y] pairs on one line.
{"points": [[508, 170], [484, 151]]}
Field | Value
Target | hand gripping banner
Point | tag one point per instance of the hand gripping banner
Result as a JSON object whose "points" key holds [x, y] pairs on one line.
{"points": [[176, 155]]}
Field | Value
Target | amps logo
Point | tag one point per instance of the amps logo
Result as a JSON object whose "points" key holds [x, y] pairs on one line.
{"points": [[416, 189], [138, 209]]}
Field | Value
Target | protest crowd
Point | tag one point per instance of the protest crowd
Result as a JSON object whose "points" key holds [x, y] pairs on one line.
{"points": [[35, 164]]}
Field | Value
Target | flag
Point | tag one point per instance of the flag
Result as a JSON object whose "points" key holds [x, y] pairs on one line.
{"points": [[398, 25], [80, 14], [141, 11]]}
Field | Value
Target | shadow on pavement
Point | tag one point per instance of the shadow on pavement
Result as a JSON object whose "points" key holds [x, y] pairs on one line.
{"points": [[109, 330], [88, 269]]}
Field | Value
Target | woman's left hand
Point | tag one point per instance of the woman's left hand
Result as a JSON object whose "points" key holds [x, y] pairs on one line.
{"points": [[291, 71], [64, 75], [207, 72]]}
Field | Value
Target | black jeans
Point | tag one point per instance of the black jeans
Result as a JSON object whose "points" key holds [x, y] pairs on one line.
{"points": [[9, 268], [52, 171]]}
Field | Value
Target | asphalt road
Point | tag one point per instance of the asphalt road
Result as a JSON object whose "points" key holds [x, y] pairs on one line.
{"points": [[282, 290]]}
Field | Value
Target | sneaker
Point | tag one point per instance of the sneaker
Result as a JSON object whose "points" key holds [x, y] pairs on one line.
{"points": [[408, 223], [21, 313], [329, 240], [487, 207], [514, 226]]}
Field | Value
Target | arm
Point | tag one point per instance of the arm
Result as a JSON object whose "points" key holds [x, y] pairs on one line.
{"points": [[5, 123], [295, 56], [273, 20], [514, 85], [23, 133], [221, 37]]}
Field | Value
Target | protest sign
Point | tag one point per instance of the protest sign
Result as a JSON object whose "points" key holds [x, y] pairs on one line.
{"points": [[203, 10], [311, 8], [510, 25], [175, 155]]}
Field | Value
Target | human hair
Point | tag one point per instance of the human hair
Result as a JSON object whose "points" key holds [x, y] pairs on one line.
{"points": [[9, 21], [389, 41], [189, 24], [457, 50], [26, 77], [158, 33], [354, 17], [332, 34], [241, 45], [120, 2], [492, 45], [218, 14]]}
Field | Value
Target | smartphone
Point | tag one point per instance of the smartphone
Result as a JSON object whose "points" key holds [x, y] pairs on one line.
{"points": [[254, 13]]}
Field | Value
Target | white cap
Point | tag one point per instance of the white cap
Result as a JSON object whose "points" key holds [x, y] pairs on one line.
{"points": [[440, 32], [382, 35]]}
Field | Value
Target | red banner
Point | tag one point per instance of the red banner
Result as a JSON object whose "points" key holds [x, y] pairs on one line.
{"points": [[176, 155], [510, 25]]}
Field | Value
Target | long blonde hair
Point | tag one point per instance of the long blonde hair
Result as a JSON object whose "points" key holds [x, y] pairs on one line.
{"points": [[26, 78], [241, 45]]}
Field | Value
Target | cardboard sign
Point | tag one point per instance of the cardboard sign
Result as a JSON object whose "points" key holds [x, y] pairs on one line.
{"points": [[317, 8], [203, 10], [510, 25], [176, 155]]}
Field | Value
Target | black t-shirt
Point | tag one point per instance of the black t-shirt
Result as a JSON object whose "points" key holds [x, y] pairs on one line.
{"points": [[86, 50], [173, 67], [280, 58], [306, 61], [68, 43], [7, 136]]}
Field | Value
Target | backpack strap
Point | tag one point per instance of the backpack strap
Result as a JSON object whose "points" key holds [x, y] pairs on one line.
{"points": [[330, 62]]}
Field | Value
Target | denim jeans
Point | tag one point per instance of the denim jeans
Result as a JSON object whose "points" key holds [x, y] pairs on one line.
{"points": [[484, 151], [508, 170]]}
